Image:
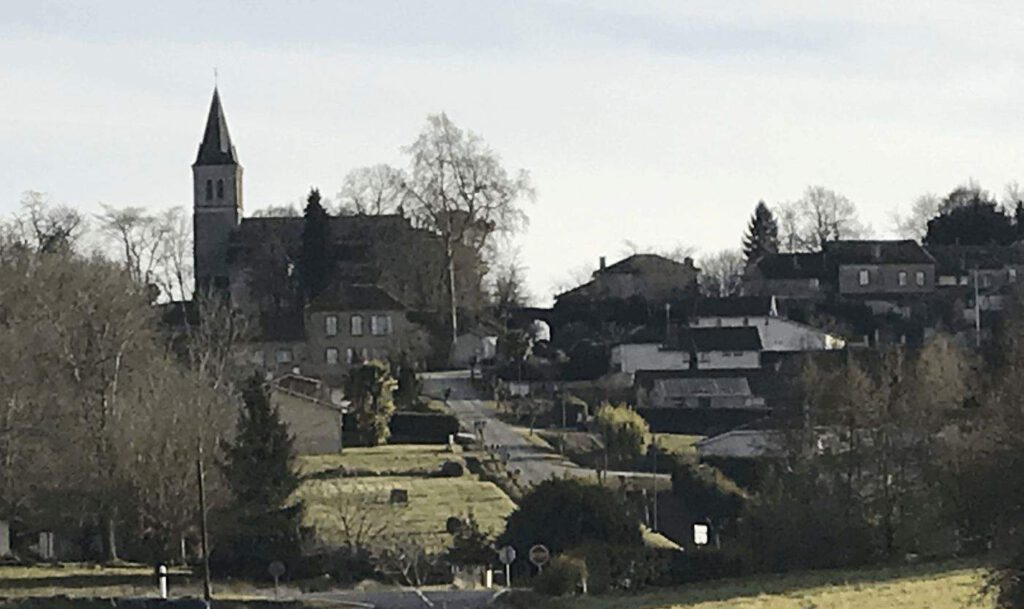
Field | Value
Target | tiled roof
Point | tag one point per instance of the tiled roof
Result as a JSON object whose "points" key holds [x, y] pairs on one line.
{"points": [[700, 339], [905, 251], [355, 297], [960, 259], [792, 266]]}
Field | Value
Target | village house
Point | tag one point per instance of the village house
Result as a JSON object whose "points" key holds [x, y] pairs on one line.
{"points": [[651, 277]]}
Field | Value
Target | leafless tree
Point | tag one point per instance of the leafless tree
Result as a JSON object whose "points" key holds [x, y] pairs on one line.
{"points": [[721, 273], [457, 187], [374, 190], [277, 211], [44, 226], [914, 225], [820, 215]]}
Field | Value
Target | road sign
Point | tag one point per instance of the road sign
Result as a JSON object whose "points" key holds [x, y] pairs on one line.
{"points": [[276, 570], [700, 534], [507, 555], [539, 555]]}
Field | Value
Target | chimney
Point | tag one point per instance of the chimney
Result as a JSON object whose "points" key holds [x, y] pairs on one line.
{"points": [[601, 263]]}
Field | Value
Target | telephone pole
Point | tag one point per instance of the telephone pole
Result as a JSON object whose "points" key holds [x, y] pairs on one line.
{"points": [[205, 542]]}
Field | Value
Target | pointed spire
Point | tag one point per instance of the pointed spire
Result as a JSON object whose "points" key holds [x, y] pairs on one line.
{"points": [[216, 148]]}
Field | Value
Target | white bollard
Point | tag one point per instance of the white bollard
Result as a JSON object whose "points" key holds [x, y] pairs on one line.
{"points": [[162, 571]]}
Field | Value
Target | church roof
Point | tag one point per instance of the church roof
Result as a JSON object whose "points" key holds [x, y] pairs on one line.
{"points": [[216, 148]]}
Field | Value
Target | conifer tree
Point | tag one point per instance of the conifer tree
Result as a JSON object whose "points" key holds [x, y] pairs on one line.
{"points": [[1018, 220], [371, 389], [315, 263], [258, 467], [762, 233]]}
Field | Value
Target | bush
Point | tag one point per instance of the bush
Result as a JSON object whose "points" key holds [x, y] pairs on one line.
{"points": [[697, 566], [616, 567], [623, 431], [562, 576], [410, 428], [563, 514], [707, 492], [452, 469]]}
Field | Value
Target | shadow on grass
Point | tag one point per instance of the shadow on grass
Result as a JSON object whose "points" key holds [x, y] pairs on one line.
{"points": [[86, 580], [772, 584]]}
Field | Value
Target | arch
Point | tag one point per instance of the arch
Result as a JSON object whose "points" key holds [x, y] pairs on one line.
{"points": [[220, 189], [209, 189]]}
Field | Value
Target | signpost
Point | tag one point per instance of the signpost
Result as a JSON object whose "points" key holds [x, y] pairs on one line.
{"points": [[276, 570], [507, 556], [539, 555]]}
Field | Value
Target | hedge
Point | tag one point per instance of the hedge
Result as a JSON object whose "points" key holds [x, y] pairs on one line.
{"points": [[410, 428]]}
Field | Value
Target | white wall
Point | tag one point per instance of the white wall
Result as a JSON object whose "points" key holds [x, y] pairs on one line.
{"points": [[725, 360], [777, 334], [647, 356]]}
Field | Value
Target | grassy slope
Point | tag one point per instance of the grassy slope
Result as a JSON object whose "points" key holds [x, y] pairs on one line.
{"points": [[431, 500], [942, 586]]}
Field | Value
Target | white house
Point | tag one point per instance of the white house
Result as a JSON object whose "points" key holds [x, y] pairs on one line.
{"points": [[777, 333], [714, 348]]}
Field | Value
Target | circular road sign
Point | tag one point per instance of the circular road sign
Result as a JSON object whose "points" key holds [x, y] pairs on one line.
{"points": [[276, 569], [507, 555], [539, 555]]}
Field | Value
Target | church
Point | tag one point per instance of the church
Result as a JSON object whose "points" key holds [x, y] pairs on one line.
{"points": [[384, 279]]}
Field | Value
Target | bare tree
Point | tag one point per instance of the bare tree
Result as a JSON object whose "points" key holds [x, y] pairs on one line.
{"points": [[457, 187], [44, 226], [138, 236], [277, 211], [914, 225], [374, 190], [820, 215], [721, 273]]}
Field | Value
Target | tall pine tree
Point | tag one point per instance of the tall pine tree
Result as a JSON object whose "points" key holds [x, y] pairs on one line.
{"points": [[258, 467], [762, 234], [1018, 220], [315, 262]]}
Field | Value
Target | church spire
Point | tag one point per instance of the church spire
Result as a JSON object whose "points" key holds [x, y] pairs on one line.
{"points": [[216, 148]]}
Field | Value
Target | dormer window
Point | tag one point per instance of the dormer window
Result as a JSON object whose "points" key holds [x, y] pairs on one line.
{"points": [[209, 190]]}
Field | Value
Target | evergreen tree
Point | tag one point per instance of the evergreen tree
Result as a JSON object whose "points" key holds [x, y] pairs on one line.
{"points": [[258, 469], [762, 233], [315, 263], [1018, 220], [371, 389], [970, 216]]}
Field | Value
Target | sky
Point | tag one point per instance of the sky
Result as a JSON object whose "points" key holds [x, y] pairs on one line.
{"points": [[658, 123]]}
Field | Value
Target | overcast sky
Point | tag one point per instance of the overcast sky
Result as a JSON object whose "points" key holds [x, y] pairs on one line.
{"points": [[660, 123]]}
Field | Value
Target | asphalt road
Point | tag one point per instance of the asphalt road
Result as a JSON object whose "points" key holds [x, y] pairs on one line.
{"points": [[410, 599]]}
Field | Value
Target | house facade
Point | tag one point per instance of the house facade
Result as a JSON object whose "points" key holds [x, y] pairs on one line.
{"points": [[648, 276]]}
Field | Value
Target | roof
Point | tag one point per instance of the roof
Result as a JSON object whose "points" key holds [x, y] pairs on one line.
{"points": [[355, 297], [961, 259], [905, 251], [744, 338], [791, 266], [635, 262], [736, 306], [216, 147], [704, 386], [282, 327]]}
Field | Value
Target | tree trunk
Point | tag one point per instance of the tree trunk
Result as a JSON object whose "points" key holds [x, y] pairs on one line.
{"points": [[451, 299], [109, 535]]}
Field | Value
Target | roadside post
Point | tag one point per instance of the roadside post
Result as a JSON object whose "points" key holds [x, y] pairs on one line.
{"points": [[161, 573]]}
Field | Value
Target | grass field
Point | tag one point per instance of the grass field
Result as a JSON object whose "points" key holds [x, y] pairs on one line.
{"points": [[398, 458], [331, 500], [681, 444], [942, 586]]}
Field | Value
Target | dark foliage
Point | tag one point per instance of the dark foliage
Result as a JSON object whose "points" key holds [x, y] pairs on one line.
{"points": [[563, 514], [315, 260], [762, 235], [563, 576], [968, 216], [258, 469], [471, 546]]}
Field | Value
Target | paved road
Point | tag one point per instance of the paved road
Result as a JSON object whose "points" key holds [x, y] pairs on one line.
{"points": [[410, 599], [533, 463]]}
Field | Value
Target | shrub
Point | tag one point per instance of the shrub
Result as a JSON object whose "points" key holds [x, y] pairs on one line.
{"points": [[563, 514], [707, 492], [451, 469], [617, 567], [562, 576], [624, 432]]}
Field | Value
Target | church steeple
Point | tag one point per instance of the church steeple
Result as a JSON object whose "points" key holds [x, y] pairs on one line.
{"points": [[217, 200], [216, 148]]}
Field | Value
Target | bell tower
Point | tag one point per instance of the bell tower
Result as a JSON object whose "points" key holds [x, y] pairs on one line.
{"points": [[217, 200]]}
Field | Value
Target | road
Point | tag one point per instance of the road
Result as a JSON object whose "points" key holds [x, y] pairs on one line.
{"points": [[532, 462], [409, 599]]}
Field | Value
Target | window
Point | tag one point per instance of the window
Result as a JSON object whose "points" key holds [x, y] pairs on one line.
{"points": [[283, 356], [986, 280], [220, 189], [902, 278], [209, 189], [864, 277], [380, 325], [746, 321], [331, 356], [919, 277], [350, 355], [365, 355], [1012, 275], [331, 325], [356, 325]]}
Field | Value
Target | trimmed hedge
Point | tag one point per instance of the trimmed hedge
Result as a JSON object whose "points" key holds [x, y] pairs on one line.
{"points": [[410, 428]]}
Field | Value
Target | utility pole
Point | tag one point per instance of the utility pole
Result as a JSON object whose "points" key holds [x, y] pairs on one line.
{"points": [[977, 312], [654, 445], [207, 590]]}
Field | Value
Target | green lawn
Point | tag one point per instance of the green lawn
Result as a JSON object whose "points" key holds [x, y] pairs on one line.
{"points": [[335, 502], [398, 458], [944, 586], [681, 444]]}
